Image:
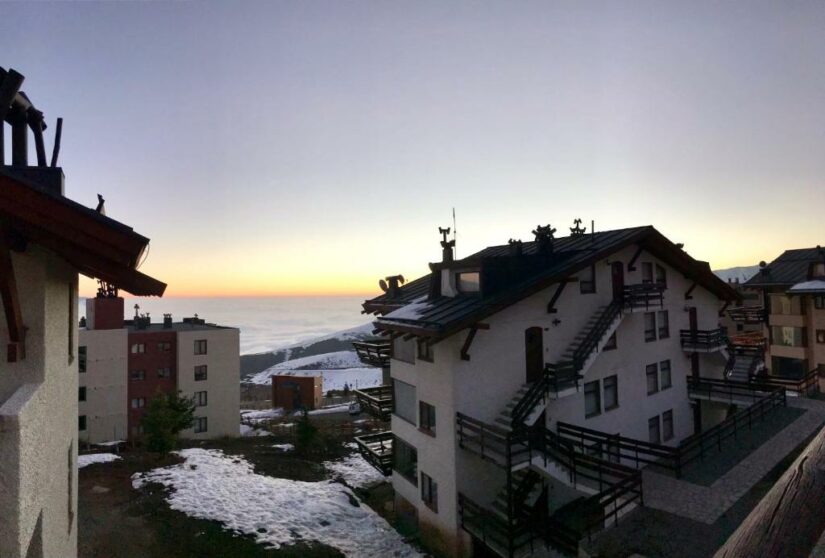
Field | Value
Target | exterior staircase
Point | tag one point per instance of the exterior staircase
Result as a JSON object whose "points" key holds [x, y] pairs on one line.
{"points": [[743, 364]]}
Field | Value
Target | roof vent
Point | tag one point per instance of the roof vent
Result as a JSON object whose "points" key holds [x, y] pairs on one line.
{"points": [[544, 238], [391, 285], [446, 245], [167, 321], [142, 321]]}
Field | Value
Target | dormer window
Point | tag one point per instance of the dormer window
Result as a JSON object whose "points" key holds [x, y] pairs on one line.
{"points": [[818, 270], [468, 282]]}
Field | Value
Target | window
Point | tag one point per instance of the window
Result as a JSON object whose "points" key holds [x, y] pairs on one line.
{"points": [[653, 435], [404, 400], [405, 460], [652, 373], [650, 326], [138, 402], [611, 392], [611, 343], [820, 336], [425, 351], [200, 399], [667, 425], [661, 275], [137, 430], [429, 492], [647, 272], [786, 305], [592, 399], [819, 302], [137, 375], [426, 417], [200, 373], [664, 324], [664, 374], [81, 393], [200, 347], [818, 270], [81, 423], [200, 425], [165, 372], [164, 347], [468, 282], [789, 367], [403, 350], [587, 282], [138, 348], [81, 360], [788, 336]]}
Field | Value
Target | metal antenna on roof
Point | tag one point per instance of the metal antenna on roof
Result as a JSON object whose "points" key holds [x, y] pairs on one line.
{"points": [[455, 232]]}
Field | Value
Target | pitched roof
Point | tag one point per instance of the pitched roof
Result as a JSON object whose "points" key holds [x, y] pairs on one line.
{"points": [[96, 245], [426, 315], [790, 268]]}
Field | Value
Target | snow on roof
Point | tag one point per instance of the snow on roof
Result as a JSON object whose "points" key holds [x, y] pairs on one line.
{"points": [[275, 512], [815, 286], [91, 458], [411, 311]]}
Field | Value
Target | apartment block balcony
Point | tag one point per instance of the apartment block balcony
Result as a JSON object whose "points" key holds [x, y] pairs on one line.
{"points": [[377, 450], [703, 340], [373, 353], [643, 296], [747, 314], [376, 401]]}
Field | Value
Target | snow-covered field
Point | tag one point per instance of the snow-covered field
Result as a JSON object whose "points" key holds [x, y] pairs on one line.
{"points": [[91, 458], [354, 471], [276, 512]]}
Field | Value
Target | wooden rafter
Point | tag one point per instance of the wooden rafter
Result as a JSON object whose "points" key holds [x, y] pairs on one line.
{"points": [[551, 306], [11, 304], [631, 265], [725, 307], [465, 349], [688, 295]]}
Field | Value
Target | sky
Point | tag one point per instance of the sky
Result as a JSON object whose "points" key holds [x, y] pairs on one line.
{"points": [[293, 148]]}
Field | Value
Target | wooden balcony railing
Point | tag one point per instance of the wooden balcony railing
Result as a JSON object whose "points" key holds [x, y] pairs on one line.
{"points": [[747, 314], [703, 340], [643, 296], [373, 353], [376, 401], [377, 450], [807, 385]]}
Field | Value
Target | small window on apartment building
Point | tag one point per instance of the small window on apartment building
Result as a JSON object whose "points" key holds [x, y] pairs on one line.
{"points": [[425, 351], [587, 282], [820, 336], [200, 399], [200, 347], [592, 399], [404, 398], [652, 373], [664, 375], [429, 492], [650, 326], [200, 373], [611, 343], [818, 270], [661, 275], [468, 282], [165, 372], [647, 272], [664, 324], [138, 402], [200, 425], [653, 434], [164, 347], [137, 375], [405, 460], [667, 425], [426, 417], [611, 392], [138, 348], [788, 336], [81, 359], [81, 423], [81, 393]]}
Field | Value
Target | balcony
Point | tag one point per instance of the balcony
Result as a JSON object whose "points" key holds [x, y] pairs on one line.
{"points": [[703, 340], [643, 296], [747, 314], [376, 401], [377, 450], [373, 353]]}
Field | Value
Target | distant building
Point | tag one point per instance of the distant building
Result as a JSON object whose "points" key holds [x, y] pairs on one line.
{"points": [[297, 392], [45, 240], [126, 363]]}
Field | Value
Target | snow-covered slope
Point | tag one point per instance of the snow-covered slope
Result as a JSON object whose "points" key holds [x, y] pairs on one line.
{"points": [[743, 273]]}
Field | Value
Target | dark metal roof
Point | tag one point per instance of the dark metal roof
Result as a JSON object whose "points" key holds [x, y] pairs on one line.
{"points": [[441, 316], [790, 268]]}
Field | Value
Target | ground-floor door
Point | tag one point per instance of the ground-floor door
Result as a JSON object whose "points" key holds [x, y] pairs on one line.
{"points": [[534, 353]]}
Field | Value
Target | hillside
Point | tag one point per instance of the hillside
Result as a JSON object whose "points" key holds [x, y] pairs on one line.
{"points": [[743, 273]]}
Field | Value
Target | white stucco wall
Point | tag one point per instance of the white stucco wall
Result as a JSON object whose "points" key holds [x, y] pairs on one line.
{"points": [[223, 379], [38, 414], [105, 381]]}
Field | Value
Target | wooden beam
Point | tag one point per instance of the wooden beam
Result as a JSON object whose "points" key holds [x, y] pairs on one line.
{"points": [[725, 307], [58, 133], [688, 295], [9, 86], [35, 120], [551, 306], [11, 304], [631, 265], [465, 349]]}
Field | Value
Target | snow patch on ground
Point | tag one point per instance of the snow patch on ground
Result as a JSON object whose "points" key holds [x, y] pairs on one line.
{"points": [[331, 410], [91, 458], [259, 416], [355, 378], [276, 512], [247, 431], [354, 471], [284, 447]]}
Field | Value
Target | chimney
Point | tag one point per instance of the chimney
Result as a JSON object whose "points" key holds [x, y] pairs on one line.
{"points": [[516, 247], [446, 245], [104, 312], [394, 283], [167, 321], [763, 268], [544, 238]]}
